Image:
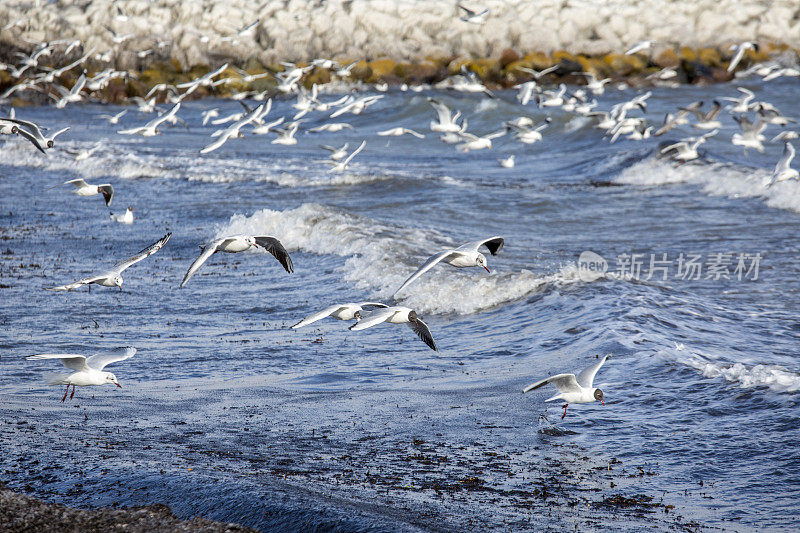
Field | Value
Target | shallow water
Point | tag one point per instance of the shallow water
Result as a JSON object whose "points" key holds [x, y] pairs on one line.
{"points": [[227, 412]]}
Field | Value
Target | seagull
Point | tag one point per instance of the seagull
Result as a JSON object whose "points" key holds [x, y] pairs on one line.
{"points": [[539, 74], [447, 120], [705, 120], [474, 17], [73, 95], [639, 47], [347, 311], [682, 151], [151, 128], [397, 315], [263, 129], [473, 142], [31, 131], [240, 243], [573, 389], [332, 127], [771, 115], [286, 136], [396, 132], [337, 154], [785, 136], [507, 162], [209, 114], [204, 81], [114, 119], [113, 277], [751, 135], [342, 165], [84, 189], [464, 256], [232, 131], [782, 170], [86, 370], [124, 218], [742, 103], [740, 50]]}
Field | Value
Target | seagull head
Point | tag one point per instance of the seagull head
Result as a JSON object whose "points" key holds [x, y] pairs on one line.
{"points": [[14, 130], [50, 144], [598, 395], [480, 261], [357, 315], [412, 316], [118, 281], [111, 378], [249, 239]]}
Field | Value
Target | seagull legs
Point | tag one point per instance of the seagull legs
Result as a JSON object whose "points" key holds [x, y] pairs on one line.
{"points": [[73, 394], [562, 416], [65, 394]]}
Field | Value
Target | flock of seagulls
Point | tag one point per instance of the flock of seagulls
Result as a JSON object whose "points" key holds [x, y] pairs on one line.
{"points": [[624, 120]]}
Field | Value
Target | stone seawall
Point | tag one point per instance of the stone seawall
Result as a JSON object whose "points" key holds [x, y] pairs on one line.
{"points": [[197, 32]]}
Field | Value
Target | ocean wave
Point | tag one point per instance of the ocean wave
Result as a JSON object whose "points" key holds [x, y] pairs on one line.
{"points": [[774, 377], [381, 256], [716, 179]]}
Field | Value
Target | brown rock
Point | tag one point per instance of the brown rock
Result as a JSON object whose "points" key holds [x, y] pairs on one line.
{"points": [[508, 56], [667, 59], [382, 67], [539, 60]]}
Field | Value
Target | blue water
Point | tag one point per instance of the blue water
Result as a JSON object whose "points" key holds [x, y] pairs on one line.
{"points": [[227, 413]]}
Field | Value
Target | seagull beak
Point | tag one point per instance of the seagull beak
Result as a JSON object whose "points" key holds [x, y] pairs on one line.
{"points": [[118, 385], [487, 269], [604, 403]]}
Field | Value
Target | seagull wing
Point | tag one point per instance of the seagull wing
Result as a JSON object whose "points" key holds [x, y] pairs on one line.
{"points": [[371, 304], [429, 264], [78, 183], [150, 250], [107, 191], [423, 332], [59, 132], [274, 246], [99, 361], [75, 285], [586, 377], [32, 128], [208, 251], [319, 315], [786, 158], [28, 135], [374, 318], [72, 361], [563, 382], [355, 153], [494, 244], [221, 139]]}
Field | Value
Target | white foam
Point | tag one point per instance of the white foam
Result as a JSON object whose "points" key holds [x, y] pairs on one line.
{"points": [[716, 179], [774, 377], [381, 256]]}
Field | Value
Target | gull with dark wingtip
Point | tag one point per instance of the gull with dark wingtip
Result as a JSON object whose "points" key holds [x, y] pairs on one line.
{"points": [[461, 257], [348, 311], [573, 389], [240, 243], [398, 315]]}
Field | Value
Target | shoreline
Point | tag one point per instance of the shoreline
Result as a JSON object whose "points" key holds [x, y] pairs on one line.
{"points": [[669, 67]]}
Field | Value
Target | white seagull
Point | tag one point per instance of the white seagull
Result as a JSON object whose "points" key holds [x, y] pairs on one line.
{"points": [[151, 128], [573, 389], [337, 154], [397, 132], [740, 50], [31, 131], [474, 17], [86, 370], [464, 256], [240, 243], [341, 166], [114, 119], [113, 276], [397, 315], [84, 189], [782, 170], [348, 311], [124, 218], [639, 47], [507, 162]]}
